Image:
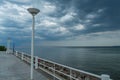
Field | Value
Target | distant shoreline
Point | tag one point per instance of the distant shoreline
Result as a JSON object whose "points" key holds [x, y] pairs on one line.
{"points": [[90, 46]]}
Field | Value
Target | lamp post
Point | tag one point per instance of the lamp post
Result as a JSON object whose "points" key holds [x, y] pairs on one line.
{"points": [[34, 12], [8, 45], [13, 47]]}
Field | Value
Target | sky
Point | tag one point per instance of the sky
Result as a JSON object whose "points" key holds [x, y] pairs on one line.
{"points": [[61, 22]]}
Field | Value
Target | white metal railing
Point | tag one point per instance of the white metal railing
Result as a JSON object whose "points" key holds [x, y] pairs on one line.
{"points": [[59, 71]]}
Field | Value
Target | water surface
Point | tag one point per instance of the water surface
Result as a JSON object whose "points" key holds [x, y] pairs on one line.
{"points": [[104, 60]]}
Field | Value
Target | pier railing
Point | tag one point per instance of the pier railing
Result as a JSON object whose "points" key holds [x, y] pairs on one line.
{"points": [[59, 71]]}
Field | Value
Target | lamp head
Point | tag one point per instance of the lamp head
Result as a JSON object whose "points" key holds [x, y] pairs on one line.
{"points": [[33, 11]]}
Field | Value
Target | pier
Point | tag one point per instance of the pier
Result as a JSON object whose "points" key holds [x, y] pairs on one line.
{"points": [[15, 66], [12, 68]]}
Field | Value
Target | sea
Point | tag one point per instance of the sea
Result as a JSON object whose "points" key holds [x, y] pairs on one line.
{"points": [[97, 60]]}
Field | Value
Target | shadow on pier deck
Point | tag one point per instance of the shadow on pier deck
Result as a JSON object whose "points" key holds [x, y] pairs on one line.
{"points": [[12, 68]]}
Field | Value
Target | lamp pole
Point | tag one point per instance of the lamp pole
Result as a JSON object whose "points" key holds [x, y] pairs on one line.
{"points": [[34, 12], [8, 45]]}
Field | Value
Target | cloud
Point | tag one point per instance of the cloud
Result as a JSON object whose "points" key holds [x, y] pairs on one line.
{"points": [[91, 16], [48, 23], [68, 17], [101, 10], [79, 27], [62, 31], [110, 38], [60, 20], [38, 37], [48, 8], [14, 19], [45, 7], [24, 1], [14, 12], [97, 25]]}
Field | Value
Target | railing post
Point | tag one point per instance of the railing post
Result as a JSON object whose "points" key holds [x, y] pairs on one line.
{"points": [[105, 77], [36, 62], [22, 57], [87, 78], [70, 74], [54, 71], [16, 53]]}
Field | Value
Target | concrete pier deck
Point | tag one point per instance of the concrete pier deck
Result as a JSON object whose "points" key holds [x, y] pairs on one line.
{"points": [[12, 68]]}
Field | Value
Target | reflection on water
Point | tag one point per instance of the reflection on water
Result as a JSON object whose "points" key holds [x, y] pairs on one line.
{"points": [[95, 60]]}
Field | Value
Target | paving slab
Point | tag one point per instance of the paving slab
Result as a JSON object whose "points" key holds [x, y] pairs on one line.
{"points": [[12, 68]]}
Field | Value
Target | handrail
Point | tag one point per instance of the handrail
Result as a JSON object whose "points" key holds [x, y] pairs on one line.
{"points": [[59, 71], [73, 68]]}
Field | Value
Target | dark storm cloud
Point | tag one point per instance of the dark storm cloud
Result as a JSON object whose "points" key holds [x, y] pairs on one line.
{"points": [[108, 19], [94, 15]]}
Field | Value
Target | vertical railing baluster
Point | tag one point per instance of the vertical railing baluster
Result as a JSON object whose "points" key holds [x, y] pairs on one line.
{"points": [[70, 74], [54, 70], [22, 57], [105, 77], [36, 62], [87, 78], [16, 53]]}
